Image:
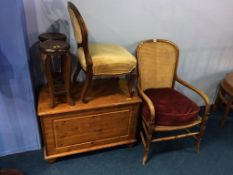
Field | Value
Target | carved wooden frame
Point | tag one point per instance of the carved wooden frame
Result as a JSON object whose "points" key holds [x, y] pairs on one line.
{"points": [[89, 69]]}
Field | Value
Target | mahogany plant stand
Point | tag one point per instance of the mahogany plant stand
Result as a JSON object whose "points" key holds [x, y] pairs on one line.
{"points": [[52, 49]]}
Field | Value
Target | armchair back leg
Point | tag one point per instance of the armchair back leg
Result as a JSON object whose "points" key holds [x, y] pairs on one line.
{"points": [[202, 130]]}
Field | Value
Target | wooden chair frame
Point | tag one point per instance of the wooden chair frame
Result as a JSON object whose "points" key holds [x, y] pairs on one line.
{"points": [[89, 64], [149, 127], [225, 97]]}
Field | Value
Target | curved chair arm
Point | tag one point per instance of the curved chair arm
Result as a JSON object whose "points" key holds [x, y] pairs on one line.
{"points": [[149, 103], [198, 91]]}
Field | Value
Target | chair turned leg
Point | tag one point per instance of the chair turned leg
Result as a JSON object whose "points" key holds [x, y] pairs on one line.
{"points": [[146, 152], [145, 156], [146, 142], [202, 130], [76, 73], [226, 112], [86, 87], [130, 85]]}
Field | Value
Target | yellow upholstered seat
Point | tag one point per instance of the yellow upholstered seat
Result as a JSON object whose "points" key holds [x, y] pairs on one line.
{"points": [[108, 59]]}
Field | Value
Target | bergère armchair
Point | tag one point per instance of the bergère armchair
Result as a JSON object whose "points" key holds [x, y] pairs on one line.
{"points": [[98, 59], [164, 108]]}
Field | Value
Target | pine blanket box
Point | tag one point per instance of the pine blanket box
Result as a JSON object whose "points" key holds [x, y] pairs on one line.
{"points": [[107, 120]]}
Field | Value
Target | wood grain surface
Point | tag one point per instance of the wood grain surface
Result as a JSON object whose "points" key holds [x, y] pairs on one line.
{"points": [[109, 119]]}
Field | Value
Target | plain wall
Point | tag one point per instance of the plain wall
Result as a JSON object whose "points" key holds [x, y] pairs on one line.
{"points": [[18, 124]]}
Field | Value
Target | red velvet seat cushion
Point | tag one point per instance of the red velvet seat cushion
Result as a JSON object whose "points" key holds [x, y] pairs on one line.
{"points": [[171, 107]]}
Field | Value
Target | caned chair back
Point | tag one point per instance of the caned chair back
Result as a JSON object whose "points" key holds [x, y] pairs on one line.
{"points": [[157, 63]]}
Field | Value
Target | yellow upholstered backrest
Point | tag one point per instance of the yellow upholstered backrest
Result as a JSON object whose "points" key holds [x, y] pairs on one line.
{"points": [[157, 62]]}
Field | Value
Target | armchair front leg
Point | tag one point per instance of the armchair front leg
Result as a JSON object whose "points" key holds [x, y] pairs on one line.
{"points": [[148, 130]]}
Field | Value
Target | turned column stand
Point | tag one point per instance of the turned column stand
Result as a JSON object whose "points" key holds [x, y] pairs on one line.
{"points": [[52, 49]]}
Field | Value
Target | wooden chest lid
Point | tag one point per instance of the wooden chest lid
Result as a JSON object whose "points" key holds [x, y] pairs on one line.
{"points": [[103, 94]]}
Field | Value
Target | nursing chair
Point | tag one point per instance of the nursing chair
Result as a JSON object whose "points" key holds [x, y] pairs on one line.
{"points": [[98, 59], [165, 109]]}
